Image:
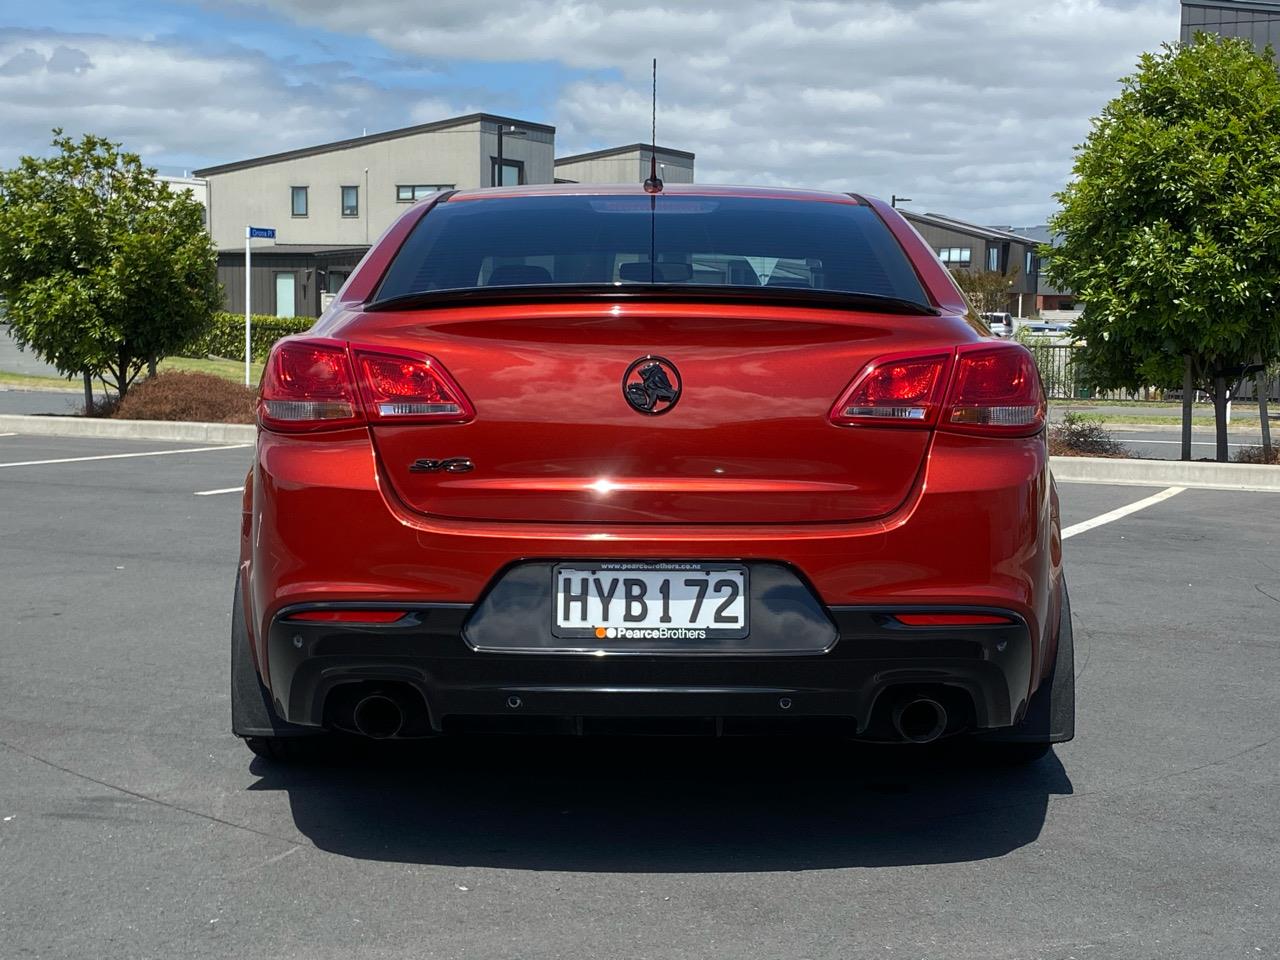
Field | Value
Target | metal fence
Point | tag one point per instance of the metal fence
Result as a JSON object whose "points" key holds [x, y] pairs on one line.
{"points": [[1057, 363]]}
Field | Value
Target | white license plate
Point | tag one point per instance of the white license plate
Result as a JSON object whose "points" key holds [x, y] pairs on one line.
{"points": [[651, 601]]}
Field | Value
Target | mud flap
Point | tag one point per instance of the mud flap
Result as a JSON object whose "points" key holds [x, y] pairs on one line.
{"points": [[1051, 715], [251, 712]]}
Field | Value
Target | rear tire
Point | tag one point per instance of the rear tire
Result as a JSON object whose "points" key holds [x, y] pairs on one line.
{"points": [[1051, 714], [253, 718]]}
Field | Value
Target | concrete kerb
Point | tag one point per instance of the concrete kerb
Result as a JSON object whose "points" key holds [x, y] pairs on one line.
{"points": [[1168, 473], [1151, 473], [178, 431]]}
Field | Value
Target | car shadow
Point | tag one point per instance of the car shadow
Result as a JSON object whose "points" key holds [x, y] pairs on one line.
{"points": [[668, 805]]}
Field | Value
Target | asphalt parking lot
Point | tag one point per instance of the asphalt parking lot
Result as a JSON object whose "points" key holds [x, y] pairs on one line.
{"points": [[132, 824]]}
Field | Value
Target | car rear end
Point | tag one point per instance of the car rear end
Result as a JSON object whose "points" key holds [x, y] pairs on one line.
{"points": [[709, 461]]}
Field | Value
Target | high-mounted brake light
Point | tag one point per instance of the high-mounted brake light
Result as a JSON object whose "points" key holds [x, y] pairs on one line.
{"points": [[307, 385], [996, 391], [409, 387], [898, 391]]}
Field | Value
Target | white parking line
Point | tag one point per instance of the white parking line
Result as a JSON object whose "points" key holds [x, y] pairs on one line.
{"points": [[8, 434], [125, 456], [1116, 514], [214, 493]]}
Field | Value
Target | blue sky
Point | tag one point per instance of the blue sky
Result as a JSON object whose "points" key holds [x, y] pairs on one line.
{"points": [[970, 106]]}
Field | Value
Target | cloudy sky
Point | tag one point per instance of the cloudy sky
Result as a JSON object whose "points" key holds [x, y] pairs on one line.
{"points": [[970, 107]]}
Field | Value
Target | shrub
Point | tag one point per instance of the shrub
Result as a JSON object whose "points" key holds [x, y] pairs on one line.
{"points": [[225, 337], [187, 396], [1080, 436], [1256, 455]]}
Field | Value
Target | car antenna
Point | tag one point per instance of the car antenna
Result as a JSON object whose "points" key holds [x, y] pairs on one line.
{"points": [[654, 183]]}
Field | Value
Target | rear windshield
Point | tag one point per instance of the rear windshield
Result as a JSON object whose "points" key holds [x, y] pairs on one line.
{"points": [[667, 239]]}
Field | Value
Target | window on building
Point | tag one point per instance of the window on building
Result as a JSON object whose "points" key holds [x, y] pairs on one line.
{"points": [[993, 258], [286, 284], [1030, 263], [956, 256], [334, 279], [298, 199], [351, 201], [512, 172], [410, 192]]}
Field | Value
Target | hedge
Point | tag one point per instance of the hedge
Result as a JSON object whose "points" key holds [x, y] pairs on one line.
{"points": [[225, 338]]}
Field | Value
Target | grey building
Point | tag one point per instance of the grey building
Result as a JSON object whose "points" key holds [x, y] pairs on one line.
{"points": [[1256, 20], [967, 246], [627, 164], [329, 202], [349, 191]]}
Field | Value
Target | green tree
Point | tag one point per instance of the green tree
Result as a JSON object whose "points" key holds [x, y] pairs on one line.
{"points": [[1171, 225], [104, 269], [987, 290]]}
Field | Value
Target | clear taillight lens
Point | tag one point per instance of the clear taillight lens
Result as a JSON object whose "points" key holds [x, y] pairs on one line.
{"points": [[410, 388], [895, 391], [996, 391], [308, 385]]}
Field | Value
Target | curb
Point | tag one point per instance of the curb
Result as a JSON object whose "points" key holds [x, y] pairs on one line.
{"points": [[1167, 473], [179, 431]]}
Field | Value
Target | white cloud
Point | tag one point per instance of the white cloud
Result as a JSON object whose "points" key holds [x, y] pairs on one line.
{"points": [[180, 104], [972, 107]]}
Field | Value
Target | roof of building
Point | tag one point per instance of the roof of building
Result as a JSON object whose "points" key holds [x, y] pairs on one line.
{"points": [[370, 138], [628, 148], [1269, 6], [961, 226]]}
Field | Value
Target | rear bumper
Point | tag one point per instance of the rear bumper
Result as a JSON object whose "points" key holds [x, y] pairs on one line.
{"points": [[986, 670]]}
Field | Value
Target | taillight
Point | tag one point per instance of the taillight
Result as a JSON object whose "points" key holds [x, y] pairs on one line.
{"points": [[895, 391], [308, 385], [409, 388], [996, 390], [312, 385]]}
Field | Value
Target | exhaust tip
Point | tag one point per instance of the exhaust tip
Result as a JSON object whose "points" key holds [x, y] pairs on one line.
{"points": [[920, 720], [378, 716]]}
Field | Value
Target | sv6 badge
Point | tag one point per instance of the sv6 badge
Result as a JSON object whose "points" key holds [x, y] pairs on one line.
{"points": [[452, 465]]}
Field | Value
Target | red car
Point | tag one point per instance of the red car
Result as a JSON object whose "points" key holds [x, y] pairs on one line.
{"points": [[598, 459]]}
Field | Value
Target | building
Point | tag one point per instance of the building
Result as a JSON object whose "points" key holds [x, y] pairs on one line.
{"points": [[329, 202], [198, 188], [625, 165], [1256, 20], [967, 246]]}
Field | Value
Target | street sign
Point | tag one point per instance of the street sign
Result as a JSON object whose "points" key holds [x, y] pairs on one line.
{"points": [[264, 233]]}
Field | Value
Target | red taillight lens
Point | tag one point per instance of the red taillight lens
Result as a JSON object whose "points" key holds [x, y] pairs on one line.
{"points": [[349, 616], [949, 619], [996, 391], [897, 391], [409, 388], [307, 385]]}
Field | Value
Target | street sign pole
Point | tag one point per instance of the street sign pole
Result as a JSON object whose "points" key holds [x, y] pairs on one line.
{"points": [[265, 233], [248, 287]]}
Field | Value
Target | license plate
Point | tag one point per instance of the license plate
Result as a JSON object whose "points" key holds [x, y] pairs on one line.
{"points": [[651, 601]]}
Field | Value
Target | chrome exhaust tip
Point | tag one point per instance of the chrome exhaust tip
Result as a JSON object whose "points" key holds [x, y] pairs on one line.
{"points": [[378, 716], [919, 719]]}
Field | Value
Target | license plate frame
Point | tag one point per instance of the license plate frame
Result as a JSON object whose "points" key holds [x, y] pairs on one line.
{"points": [[616, 633]]}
